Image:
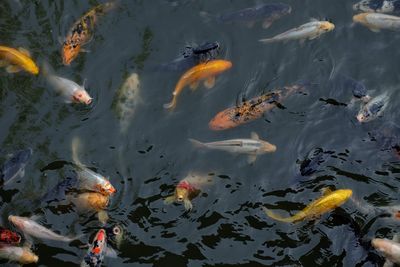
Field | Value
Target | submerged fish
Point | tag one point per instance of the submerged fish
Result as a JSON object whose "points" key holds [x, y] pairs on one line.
{"points": [[21, 255], [57, 193], [16, 60], [32, 228], [357, 88], [204, 71], [253, 146], [92, 201], [376, 21], [268, 13], [115, 234], [329, 201], [310, 31], [82, 32], [373, 108], [387, 137], [95, 255], [389, 248], [69, 90], [312, 162], [251, 109], [187, 189], [9, 237], [87, 178], [126, 100], [380, 6], [15, 166]]}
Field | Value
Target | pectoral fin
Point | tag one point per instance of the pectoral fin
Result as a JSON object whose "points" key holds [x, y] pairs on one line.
{"points": [[209, 82], [170, 199], [13, 69], [251, 158], [254, 136], [267, 23], [374, 29], [193, 86], [24, 51], [188, 204], [325, 191]]}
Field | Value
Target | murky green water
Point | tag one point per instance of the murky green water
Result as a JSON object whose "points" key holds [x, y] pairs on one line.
{"points": [[227, 225]]}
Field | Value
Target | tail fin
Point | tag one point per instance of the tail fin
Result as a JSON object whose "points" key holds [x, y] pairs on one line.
{"points": [[197, 143], [267, 40], [171, 105], [276, 216], [75, 145]]}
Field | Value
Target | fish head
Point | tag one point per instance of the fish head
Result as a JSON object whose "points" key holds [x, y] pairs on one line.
{"points": [[382, 245], [107, 188], [181, 194], [31, 67], [343, 195], [17, 221], [267, 147], [364, 115], [70, 51], [10, 237], [367, 5], [81, 96], [224, 120], [28, 257], [360, 18], [327, 26], [223, 65], [99, 242]]}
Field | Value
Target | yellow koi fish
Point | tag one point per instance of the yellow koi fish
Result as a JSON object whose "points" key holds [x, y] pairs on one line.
{"points": [[329, 201], [204, 71], [16, 60]]}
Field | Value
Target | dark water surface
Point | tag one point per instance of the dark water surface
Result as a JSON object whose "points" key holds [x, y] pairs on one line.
{"points": [[227, 225]]}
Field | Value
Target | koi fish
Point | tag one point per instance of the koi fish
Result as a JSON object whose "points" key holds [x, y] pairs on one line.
{"points": [[15, 166], [32, 228], [82, 32], [268, 13], [310, 31], [126, 100], [376, 21], [92, 201], [16, 60], [9, 237], [204, 71], [389, 248], [357, 88], [253, 146], [115, 234], [98, 250], [373, 108], [22, 255], [251, 109], [379, 6], [57, 193], [329, 201], [186, 190], [89, 179], [69, 90]]}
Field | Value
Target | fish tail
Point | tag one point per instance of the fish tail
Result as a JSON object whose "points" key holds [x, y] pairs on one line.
{"points": [[267, 40], [197, 143], [171, 105], [75, 145], [276, 216]]}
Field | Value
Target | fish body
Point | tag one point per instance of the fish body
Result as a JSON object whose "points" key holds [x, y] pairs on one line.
{"points": [[187, 189], [18, 254], [126, 101], [69, 90], [329, 201], [32, 228], [15, 166], [268, 13], [57, 193], [253, 146], [203, 71], [379, 6], [376, 21], [358, 89], [82, 32], [310, 30], [312, 162], [9, 237], [87, 178], [16, 60], [95, 255], [92, 201], [252, 109], [387, 137], [373, 108], [389, 248]]}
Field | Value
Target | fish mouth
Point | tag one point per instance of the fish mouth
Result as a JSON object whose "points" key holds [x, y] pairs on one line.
{"points": [[89, 101]]}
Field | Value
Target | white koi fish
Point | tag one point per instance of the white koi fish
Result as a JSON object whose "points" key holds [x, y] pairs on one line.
{"points": [[253, 146], [376, 21], [21, 255], [32, 228], [310, 30], [389, 248], [69, 90]]}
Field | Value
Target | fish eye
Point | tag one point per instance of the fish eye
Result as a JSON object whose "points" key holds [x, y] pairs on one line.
{"points": [[80, 95], [180, 198]]}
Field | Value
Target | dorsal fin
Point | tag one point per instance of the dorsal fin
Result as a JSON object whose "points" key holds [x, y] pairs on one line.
{"points": [[326, 191], [24, 51], [255, 136]]}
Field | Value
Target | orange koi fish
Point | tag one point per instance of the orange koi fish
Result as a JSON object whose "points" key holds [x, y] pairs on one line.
{"points": [[204, 71], [81, 32], [16, 60], [251, 109]]}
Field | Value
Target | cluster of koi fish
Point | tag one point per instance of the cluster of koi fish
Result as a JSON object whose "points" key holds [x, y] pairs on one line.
{"points": [[200, 64]]}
